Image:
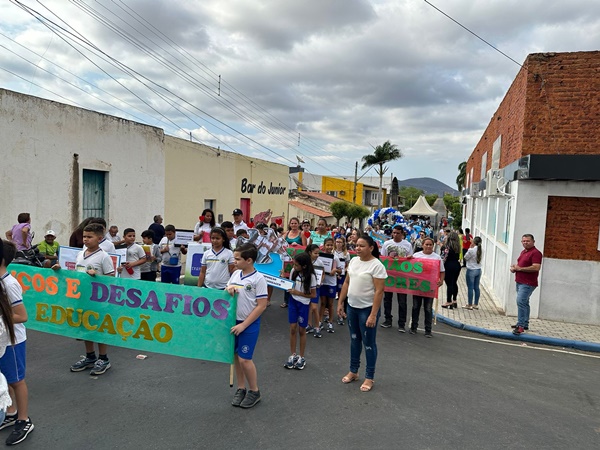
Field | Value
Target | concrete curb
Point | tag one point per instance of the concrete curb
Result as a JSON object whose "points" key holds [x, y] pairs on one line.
{"points": [[535, 339]]}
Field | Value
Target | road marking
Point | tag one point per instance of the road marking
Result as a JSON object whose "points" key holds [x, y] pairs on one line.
{"points": [[520, 345]]}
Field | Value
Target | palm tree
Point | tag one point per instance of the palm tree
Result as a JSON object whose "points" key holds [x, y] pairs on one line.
{"points": [[462, 175], [383, 154]]}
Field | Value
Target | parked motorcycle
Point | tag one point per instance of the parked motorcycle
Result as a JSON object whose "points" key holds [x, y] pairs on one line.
{"points": [[29, 257]]}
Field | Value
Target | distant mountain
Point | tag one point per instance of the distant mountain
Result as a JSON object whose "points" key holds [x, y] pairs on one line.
{"points": [[429, 186]]}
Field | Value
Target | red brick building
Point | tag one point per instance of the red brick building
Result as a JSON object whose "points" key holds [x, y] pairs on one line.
{"points": [[536, 169]]}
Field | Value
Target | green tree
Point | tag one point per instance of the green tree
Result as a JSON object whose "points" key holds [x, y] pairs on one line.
{"points": [[410, 195], [454, 207], [431, 198], [357, 212], [462, 176], [382, 155], [339, 210]]}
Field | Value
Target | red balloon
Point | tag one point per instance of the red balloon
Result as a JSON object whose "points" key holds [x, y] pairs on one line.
{"points": [[278, 221], [201, 218], [251, 225], [307, 234]]}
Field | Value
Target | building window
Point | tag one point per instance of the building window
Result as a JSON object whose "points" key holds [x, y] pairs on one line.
{"points": [[491, 224], [210, 204], [94, 182], [483, 166], [496, 153]]}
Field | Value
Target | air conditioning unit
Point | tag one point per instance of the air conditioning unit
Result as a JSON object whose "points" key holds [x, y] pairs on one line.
{"points": [[475, 192], [491, 182]]}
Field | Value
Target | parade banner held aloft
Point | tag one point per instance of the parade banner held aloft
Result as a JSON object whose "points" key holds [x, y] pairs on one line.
{"points": [[412, 276], [165, 318]]}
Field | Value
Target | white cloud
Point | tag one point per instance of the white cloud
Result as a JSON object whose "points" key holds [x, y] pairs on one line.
{"points": [[344, 74]]}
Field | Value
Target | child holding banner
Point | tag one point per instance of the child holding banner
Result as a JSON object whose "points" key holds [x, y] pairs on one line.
{"points": [[7, 338], [94, 261], [344, 258], [217, 263], [305, 288], [427, 302], [329, 287], [251, 289], [313, 251], [13, 362]]}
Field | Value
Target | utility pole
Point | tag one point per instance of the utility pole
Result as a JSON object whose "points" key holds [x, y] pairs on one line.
{"points": [[355, 181]]}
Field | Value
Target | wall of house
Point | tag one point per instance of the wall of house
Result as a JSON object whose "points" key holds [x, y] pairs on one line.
{"points": [[563, 104], [46, 145], [552, 107], [554, 212], [344, 188], [196, 173]]}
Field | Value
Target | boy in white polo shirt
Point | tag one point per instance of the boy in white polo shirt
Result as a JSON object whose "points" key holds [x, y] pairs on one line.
{"points": [[94, 261], [136, 256], [251, 290]]}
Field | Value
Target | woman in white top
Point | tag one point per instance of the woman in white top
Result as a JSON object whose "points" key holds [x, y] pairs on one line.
{"points": [[204, 225], [427, 302], [365, 280], [473, 261]]}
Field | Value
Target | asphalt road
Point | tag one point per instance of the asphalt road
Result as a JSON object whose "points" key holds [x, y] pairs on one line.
{"points": [[456, 390]]}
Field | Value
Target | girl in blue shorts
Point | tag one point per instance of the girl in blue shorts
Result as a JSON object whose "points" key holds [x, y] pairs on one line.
{"points": [[313, 251], [305, 288]]}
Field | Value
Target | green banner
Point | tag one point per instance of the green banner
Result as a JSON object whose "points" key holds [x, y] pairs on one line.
{"points": [[165, 318]]}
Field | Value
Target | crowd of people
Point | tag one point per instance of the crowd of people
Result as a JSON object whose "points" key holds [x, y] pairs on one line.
{"points": [[323, 271]]}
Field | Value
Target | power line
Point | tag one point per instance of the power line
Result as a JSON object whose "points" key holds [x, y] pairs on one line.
{"points": [[473, 33]]}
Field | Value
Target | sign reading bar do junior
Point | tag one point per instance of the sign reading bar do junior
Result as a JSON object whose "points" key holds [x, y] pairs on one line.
{"points": [[412, 276], [176, 320]]}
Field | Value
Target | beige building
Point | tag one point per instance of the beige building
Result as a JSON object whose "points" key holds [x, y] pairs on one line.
{"points": [[62, 164], [199, 177]]}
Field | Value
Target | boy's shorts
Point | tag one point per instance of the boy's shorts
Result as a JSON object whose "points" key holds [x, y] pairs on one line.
{"points": [[298, 312], [245, 342], [170, 274], [328, 291], [316, 299], [12, 364]]}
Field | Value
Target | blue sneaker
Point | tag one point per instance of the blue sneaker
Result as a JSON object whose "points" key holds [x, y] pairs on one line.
{"points": [[82, 364], [291, 362], [318, 333], [300, 363], [101, 366], [310, 329]]}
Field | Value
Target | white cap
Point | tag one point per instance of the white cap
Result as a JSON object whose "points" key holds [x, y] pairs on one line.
{"points": [[50, 233]]}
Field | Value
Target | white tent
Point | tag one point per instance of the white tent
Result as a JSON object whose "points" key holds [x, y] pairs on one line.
{"points": [[421, 208]]}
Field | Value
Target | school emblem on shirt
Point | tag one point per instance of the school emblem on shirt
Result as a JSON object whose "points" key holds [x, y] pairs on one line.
{"points": [[248, 287], [223, 261], [245, 349]]}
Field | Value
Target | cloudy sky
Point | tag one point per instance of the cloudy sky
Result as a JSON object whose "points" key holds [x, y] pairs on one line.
{"points": [[345, 75]]}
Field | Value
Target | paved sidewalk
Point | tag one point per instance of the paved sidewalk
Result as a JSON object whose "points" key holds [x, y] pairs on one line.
{"points": [[489, 318]]}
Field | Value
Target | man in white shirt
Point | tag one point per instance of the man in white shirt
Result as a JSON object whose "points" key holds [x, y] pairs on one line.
{"points": [[113, 235], [238, 222], [397, 247]]}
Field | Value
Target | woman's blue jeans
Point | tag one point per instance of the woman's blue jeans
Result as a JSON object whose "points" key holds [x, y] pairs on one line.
{"points": [[473, 279], [361, 335]]}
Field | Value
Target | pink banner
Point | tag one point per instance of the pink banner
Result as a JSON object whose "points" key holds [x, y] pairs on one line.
{"points": [[412, 276]]}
